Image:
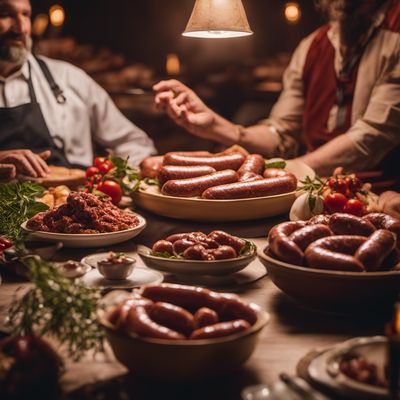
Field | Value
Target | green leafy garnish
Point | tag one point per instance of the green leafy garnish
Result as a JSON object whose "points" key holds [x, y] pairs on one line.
{"points": [[275, 164], [247, 249], [164, 254], [59, 307], [122, 173], [18, 204]]}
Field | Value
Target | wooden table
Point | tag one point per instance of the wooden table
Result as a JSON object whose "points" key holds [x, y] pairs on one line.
{"points": [[291, 333]]}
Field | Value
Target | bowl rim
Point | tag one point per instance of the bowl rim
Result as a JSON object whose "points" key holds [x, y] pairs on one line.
{"points": [[263, 318], [331, 272]]}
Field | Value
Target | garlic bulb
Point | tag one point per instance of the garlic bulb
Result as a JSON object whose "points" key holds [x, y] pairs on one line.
{"points": [[301, 207]]}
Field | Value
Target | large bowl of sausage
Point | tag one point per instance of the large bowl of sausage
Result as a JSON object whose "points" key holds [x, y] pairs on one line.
{"points": [[222, 187], [338, 262], [178, 333]]}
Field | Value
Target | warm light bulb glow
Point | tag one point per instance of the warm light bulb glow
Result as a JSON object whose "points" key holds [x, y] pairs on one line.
{"points": [[39, 24], [292, 12], [216, 34], [173, 65], [57, 15]]}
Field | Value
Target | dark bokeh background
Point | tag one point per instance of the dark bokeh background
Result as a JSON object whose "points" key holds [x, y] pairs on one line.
{"points": [[146, 30]]}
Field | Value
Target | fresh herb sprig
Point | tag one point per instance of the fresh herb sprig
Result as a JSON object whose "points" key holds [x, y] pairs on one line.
{"points": [[315, 187], [17, 204], [59, 307]]}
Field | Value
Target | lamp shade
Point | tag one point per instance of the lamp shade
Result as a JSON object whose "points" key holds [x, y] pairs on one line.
{"points": [[218, 19]]}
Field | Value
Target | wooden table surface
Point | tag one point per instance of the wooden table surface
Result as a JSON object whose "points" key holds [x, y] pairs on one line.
{"points": [[291, 333]]}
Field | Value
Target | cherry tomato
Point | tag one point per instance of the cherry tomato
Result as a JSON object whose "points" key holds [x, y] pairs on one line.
{"points": [[112, 189], [105, 167], [338, 185], [5, 243], [335, 202], [353, 183], [355, 207], [98, 161], [91, 171]]}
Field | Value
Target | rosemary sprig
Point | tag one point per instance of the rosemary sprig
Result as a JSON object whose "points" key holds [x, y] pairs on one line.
{"points": [[59, 307], [17, 204]]}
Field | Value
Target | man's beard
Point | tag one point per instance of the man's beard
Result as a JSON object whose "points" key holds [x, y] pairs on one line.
{"points": [[354, 18], [14, 53]]}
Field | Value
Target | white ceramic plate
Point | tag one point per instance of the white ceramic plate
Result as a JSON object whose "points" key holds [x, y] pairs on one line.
{"points": [[320, 369], [194, 267], [196, 209], [89, 240]]}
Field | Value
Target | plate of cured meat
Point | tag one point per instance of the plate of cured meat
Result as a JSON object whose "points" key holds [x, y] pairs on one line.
{"points": [[85, 221], [336, 262], [222, 187]]}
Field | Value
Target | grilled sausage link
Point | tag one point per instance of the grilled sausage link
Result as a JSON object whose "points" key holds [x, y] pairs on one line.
{"points": [[280, 244], [376, 249], [347, 224], [257, 188], [335, 252], [278, 173], [173, 317], [171, 172], [252, 166], [303, 237], [384, 221], [220, 162], [138, 321], [193, 187], [220, 329], [225, 239]]}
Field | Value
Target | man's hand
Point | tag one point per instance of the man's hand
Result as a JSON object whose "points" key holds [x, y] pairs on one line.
{"points": [[184, 107], [26, 162]]}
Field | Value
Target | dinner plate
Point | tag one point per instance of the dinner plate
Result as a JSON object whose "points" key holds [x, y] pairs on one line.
{"points": [[89, 240], [70, 177], [150, 198], [321, 368], [195, 267], [139, 277]]}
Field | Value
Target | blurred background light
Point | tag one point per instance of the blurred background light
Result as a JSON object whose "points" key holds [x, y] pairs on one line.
{"points": [[57, 15], [292, 12]]}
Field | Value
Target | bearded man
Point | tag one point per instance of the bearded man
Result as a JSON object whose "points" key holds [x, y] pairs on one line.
{"points": [[52, 110], [340, 99]]}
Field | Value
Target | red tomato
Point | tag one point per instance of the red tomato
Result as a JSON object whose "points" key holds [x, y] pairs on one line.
{"points": [[112, 189], [338, 185], [353, 184], [355, 207], [5, 243], [98, 161], [91, 171], [335, 202], [105, 167]]}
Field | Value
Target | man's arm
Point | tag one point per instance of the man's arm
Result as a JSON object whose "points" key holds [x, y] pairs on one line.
{"points": [[371, 138]]}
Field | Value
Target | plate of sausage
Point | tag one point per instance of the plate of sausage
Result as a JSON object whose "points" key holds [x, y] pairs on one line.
{"points": [[337, 262], [198, 254], [205, 333], [222, 187]]}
